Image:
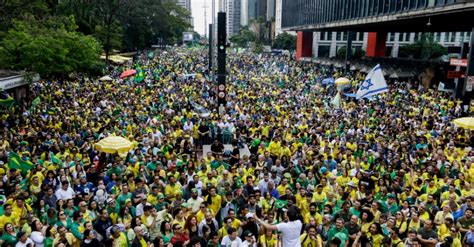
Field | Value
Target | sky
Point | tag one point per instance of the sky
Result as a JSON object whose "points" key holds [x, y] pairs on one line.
{"points": [[197, 8]]}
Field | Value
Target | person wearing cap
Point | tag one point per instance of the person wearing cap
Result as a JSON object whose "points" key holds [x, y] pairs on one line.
{"points": [[194, 201], [249, 239]]}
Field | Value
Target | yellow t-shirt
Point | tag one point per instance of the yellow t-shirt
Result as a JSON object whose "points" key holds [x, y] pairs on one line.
{"points": [[306, 241], [269, 242]]}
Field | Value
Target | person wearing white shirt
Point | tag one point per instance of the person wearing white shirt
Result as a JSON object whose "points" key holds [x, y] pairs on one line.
{"points": [[65, 192], [23, 240], [290, 230], [194, 202], [231, 240]]}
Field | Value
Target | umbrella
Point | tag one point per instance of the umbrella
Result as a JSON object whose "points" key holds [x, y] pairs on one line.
{"points": [[342, 81], [114, 144], [128, 73], [465, 122], [106, 78]]}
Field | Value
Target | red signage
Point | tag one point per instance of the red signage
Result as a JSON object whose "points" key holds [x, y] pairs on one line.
{"points": [[456, 74], [458, 62]]}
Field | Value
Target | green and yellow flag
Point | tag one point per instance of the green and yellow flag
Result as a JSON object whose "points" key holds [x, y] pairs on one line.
{"points": [[5, 99], [280, 203], [15, 161], [140, 75], [55, 159]]}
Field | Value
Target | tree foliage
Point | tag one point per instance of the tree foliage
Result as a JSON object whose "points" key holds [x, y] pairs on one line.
{"points": [[285, 41], [425, 48], [58, 37], [356, 53], [244, 38], [50, 47]]}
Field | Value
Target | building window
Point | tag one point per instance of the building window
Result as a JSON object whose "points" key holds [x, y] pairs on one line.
{"points": [[344, 36], [400, 37], [391, 37], [453, 37], [338, 35]]}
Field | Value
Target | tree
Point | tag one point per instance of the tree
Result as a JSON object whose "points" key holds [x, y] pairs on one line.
{"points": [[285, 41], [425, 48], [356, 52], [37, 45], [244, 37]]}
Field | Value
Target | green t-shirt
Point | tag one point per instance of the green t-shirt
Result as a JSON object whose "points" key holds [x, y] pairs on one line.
{"points": [[342, 234]]}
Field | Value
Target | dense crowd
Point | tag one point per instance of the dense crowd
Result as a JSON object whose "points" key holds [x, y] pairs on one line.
{"points": [[389, 171]]}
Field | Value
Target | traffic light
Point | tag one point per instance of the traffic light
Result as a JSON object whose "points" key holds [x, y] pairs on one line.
{"points": [[221, 58]]}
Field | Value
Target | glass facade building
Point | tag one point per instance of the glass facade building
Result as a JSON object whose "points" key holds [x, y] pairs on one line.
{"points": [[313, 12]]}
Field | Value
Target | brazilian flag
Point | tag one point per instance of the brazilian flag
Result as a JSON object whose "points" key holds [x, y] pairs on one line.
{"points": [[140, 75], [15, 161], [280, 203], [5, 99], [54, 159]]}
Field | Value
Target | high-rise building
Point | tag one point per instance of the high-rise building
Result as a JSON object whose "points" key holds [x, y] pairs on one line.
{"points": [[186, 4], [232, 8], [271, 10], [244, 12]]}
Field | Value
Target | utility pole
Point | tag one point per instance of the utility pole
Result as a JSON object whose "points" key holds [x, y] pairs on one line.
{"points": [[204, 6]]}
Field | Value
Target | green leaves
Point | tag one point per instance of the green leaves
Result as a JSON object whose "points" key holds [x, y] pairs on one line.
{"points": [[50, 47], [425, 48], [285, 41]]}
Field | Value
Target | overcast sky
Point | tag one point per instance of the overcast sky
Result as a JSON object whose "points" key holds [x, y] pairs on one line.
{"points": [[197, 8]]}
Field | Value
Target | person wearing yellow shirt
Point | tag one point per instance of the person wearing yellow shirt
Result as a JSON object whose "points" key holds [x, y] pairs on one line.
{"points": [[203, 209], [172, 188], [311, 238], [305, 203], [269, 239], [283, 186], [7, 217], [223, 231], [319, 195], [20, 209], [375, 235], [275, 148], [214, 200], [312, 213]]}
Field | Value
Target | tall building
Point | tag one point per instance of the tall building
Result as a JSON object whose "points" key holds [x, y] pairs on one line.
{"points": [[326, 44], [278, 14], [252, 9], [232, 8], [271, 10], [186, 4]]}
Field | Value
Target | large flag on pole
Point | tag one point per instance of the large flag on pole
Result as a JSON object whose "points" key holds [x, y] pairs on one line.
{"points": [[15, 161], [373, 84]]}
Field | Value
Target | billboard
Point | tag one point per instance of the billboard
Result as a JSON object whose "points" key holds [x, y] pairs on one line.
{"points": [[188, 36]]}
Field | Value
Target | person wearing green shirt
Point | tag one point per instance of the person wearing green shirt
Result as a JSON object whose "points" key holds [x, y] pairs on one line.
{"points": [[338, 231], [9, 235], [124, 195], [114, 169], [77, 218]]}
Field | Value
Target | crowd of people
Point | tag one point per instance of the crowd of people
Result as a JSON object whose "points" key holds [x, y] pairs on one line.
{"points": [[392, 170]]}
